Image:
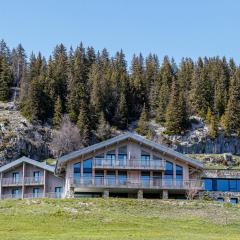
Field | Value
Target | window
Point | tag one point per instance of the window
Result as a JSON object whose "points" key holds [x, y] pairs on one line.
{"points": [[58, 191], [234, 200], [99, 160], [157, 178], [111, 157], [87, 170], [36, 176], [36, 192], [111, 177], [179, 174], [99, 177], [145, 159], [122, 177], [208, 183], [145, 178], [122, 158], [16, 177], [77, 172], [16, 193], [218, 184], [168, 173], [220, 199]]}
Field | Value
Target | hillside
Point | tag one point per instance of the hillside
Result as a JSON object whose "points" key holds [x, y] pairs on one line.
{"points": [[117, 219]]}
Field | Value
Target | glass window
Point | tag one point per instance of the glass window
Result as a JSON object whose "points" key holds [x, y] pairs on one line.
{"points": [[36, 176], [111, 177], [220, 199], [87, 170], [36, 192], [208, 184], [145, 178], [99, 160], [77, 172], [234, 200], [111, 157], [157, 178], [99, 177], [232, 185], [222, 185], [16, 177], [16, 193], [122, 177], [58, 191]]}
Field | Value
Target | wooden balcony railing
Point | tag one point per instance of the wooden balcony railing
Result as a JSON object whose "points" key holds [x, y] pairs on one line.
{"points": [[136, 183], [158, 164], [33, 195], [19, 181]]}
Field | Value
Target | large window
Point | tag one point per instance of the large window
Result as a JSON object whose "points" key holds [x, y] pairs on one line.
{"points": [[36, 176], [77, 172], [145, 159], [16, 177], [157, 178], [58, 191], [111, 177], [122, 177], [16, 193], [111, 157], [99, 177], [168, 174], [179, 175], [218, 184], [36, 192], [145, 178], [99, 159], [87, 170]]}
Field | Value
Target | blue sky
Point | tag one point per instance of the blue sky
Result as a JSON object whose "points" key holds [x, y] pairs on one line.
{"points": [[185, 28]]}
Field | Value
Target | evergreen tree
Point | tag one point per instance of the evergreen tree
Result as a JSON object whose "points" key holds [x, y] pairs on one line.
{"points": [[209, 116], [213, 131], [176, 115], [57, 117], [142, 127], [5, 80], [232, 114], [103, 129], [83, 125]]}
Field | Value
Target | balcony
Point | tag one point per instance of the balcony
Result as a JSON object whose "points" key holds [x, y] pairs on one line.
{"points": [[135, 183], [129, 164], [32, 195], [8, 182]]}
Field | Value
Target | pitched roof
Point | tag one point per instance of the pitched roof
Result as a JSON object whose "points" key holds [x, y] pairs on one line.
{"points": [[125, 136], [42, 165]]}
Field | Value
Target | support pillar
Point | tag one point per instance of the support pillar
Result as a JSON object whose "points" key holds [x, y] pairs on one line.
{"points": [[1, 185], [140, 194], [165, 194], [106, 193]]}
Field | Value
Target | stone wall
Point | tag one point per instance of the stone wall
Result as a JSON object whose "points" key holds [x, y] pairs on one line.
{"points": [[221, 173]]}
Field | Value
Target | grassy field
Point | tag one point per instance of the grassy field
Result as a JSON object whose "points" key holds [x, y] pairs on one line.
{"points": [[118, 219]]}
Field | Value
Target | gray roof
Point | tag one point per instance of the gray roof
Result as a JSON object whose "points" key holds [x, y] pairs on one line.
{"points": [[125, 136], [42, 165]]}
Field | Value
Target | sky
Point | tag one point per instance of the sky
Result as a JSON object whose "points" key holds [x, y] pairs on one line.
{"points": [[177, 28]]}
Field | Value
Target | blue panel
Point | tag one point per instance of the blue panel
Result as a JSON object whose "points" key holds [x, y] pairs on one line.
{"points": [[169, 168], [232, 185], [208, 184], [222, 185], [87, 167]]}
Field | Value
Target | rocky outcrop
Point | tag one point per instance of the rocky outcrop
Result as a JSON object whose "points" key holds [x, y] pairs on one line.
{"points": [[19, 137]]}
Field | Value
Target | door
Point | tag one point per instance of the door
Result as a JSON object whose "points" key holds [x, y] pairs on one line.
{"points": [[36, 192], [16, 177]]}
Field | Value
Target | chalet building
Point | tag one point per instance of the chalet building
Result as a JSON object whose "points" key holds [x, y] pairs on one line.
{"points": [[128, 165], [27, 178]]}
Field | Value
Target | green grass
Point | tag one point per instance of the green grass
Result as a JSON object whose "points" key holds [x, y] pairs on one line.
{"points": [[118, 219]]}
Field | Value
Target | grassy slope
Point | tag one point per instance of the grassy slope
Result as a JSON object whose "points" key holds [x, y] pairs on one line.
{"points": [[117, 219]]}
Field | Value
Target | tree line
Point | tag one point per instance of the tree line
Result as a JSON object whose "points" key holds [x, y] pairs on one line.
{"points": [[96, 90]]}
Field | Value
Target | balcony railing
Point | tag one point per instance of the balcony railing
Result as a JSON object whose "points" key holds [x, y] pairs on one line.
{"points": [[136, 183], [33, 195], [157, 164], [19, 181]]}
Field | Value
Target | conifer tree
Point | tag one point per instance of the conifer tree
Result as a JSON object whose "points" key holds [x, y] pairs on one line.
{"points": [[57, 117], [142, 126], [213, 131], [232, 114], [103, 131], [5, 80], [176, 115], [83, 125], [209, 116]]}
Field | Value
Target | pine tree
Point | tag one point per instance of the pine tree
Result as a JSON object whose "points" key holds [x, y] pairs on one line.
{"points": [[83, 125], [232, 114], [5, 80], [142, 127], [209, 116], [103, 129], [57, 117], [176, 115], [213, 131]]}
